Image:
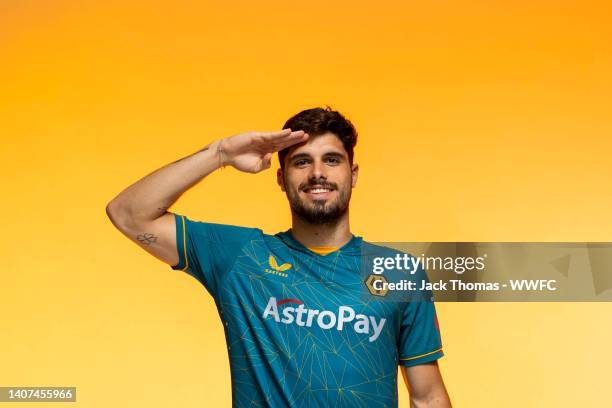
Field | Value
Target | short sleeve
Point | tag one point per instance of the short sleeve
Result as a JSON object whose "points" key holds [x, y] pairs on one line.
{"points": [[207, 251], [420, 339]]}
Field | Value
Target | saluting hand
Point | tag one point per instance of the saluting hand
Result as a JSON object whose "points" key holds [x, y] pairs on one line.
{"points": [[251, 152]]}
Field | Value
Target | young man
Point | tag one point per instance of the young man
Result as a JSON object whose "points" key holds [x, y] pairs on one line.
{"points": [[301, 327]]}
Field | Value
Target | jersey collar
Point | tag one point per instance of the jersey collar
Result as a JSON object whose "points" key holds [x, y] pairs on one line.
{"points": [[351, 247]]}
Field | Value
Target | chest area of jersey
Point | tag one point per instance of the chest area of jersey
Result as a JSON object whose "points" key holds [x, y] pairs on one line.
{"points": [[285, 266], [293, 291]]}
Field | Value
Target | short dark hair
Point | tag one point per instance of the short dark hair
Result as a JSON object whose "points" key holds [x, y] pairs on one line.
{"points": [[317, 121]]}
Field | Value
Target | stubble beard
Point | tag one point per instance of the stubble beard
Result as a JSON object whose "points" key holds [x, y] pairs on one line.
{"points": [[319, 212]]}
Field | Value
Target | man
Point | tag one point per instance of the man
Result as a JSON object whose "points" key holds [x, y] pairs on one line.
{"points": [[301, 327]]}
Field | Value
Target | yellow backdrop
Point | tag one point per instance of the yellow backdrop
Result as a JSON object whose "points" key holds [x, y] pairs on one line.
{"points": [[478, 121]]}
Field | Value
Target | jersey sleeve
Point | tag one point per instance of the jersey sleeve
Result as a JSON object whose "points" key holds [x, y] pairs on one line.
{"points": [[207, 251], [420, 339]]}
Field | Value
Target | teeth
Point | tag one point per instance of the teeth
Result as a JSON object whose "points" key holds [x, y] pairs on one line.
{"points": [[319, 190]]}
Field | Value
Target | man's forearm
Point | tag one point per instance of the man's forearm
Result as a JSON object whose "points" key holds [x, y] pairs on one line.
{"points": [[425, 386], [438, 398], [150, 197]]}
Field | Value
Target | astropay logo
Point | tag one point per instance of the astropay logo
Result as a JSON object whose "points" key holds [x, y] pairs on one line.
{"points": [[325, 319]]}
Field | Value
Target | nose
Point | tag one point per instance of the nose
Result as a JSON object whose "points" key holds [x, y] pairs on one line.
{"points": [[317, 170]]}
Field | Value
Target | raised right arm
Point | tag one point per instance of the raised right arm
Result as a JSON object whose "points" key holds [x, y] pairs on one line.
{"points": [[140, 210]]}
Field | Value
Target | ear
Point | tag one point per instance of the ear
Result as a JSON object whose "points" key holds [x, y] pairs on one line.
{"points": [[354, 173], [279, 179]]}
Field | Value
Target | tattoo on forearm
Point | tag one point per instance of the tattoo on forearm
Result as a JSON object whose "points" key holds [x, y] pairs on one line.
{"points": [[146, 238]]}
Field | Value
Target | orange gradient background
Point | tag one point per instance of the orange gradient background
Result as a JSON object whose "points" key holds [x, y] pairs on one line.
{"points": [[478, 121]]}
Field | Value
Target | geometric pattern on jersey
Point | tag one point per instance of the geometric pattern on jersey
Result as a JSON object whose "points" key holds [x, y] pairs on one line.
{"points": [[278, 299]]}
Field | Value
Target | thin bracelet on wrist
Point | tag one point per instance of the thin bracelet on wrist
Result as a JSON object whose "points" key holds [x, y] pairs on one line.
{"points": [[220, 153]]}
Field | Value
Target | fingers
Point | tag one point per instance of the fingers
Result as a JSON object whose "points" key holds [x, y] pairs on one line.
{"points": [[272, 136], [275, 141], [290, 140], [266, 162], [279, 135]]}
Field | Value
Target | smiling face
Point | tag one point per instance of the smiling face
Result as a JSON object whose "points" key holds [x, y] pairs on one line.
{"points": [[318, 179]]}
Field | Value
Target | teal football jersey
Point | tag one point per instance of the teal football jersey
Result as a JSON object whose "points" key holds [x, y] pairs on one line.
{"points": [[302, 329]]}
